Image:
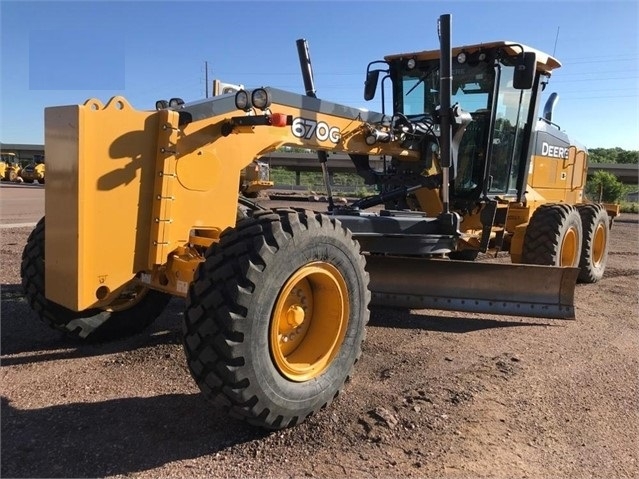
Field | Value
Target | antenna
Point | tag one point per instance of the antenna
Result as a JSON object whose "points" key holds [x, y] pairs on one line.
{"points": [[206, 77], [555, 47]]}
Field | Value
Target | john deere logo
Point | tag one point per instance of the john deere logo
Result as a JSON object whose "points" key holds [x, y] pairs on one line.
{"points": [[554, 151]]}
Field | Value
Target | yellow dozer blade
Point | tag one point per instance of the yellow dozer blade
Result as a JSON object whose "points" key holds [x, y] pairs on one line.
{"points": [[492, 288]]}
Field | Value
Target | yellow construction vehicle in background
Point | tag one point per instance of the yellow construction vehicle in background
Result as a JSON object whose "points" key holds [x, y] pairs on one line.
{"points": [[141, 206], [255, 178], [9, 167], [3, 167], [34, 171]]}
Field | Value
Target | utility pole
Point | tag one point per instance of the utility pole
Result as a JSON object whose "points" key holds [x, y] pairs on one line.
{"points": [[206, 77], [556, 39]]}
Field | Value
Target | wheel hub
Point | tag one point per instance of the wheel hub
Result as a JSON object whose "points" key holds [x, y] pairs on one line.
{"points": [[309, 321], [295, 316]]}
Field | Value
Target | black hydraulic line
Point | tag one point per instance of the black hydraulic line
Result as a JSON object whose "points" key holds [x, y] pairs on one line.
{"points": [[430, 182], [382, 198]]}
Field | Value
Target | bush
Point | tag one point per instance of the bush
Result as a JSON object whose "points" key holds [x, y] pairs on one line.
{"points": [[604, 186], [628, 207]]}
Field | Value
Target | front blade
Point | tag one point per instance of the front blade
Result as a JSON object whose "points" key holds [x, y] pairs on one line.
{"points": [[492, 288]]}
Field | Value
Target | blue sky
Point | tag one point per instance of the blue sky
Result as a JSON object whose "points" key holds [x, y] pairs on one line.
{"points": [[56, 53]]}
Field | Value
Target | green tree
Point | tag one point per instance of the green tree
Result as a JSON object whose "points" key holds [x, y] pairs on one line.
{"points": [[613, 155], [604, 186]]}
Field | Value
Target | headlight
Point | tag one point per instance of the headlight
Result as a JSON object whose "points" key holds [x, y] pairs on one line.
{"points": [[242, 100], [161, 104], [260, 99], [461, 58], [410, 63], [175, 102]]}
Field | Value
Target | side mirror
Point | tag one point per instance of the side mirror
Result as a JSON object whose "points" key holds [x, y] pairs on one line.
{"points": [[525, 71], [370, 85]]}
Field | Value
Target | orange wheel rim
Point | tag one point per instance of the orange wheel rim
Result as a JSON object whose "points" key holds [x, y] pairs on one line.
{"points": [[309, 321], [569, 251], [599, 244]]}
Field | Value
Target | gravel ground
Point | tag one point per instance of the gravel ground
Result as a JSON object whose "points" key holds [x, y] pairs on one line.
{"points": [[436, 394]]}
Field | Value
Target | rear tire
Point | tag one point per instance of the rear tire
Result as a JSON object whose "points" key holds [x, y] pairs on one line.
{"points": [[594, 252], [553, 236], [132, 312], [275, 316]]}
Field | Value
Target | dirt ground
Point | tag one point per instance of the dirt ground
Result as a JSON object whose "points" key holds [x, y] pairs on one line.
{"points": [[436, 394]]}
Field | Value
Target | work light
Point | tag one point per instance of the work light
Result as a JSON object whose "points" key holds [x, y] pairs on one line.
{"points": [[260, 98], [242, 100]]}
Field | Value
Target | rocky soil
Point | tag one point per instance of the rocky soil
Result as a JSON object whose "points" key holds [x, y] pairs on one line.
{"points": [[436, 394]]}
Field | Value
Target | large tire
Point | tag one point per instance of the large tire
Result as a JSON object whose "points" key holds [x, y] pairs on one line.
{"points": [[276, 316], [252, 194], [594, 252], [553, 236], [245, 207], [129, 314]]}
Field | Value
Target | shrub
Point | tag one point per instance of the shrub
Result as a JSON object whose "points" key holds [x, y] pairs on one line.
{"points": [[604, 186]]}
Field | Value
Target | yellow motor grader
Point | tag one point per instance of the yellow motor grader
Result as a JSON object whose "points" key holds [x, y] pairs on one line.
{"points": [[143, 205]]}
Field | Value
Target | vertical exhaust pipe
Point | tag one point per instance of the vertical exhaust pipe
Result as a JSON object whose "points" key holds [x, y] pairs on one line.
{"points": [[549, 107], [306, 67], [445, 80]]}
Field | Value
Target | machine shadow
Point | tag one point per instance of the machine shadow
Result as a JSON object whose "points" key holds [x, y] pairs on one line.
{"points": [[113, 437], [22, 333], [405, 319]]}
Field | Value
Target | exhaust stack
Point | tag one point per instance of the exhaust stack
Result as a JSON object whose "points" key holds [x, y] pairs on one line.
{"points": [[549, 107]]}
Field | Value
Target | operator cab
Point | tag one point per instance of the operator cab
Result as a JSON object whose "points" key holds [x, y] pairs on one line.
{"points": [[497, 84]]}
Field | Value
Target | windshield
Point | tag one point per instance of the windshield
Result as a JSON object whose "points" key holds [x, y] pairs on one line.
{"points": [[472, 88], [417, 95]]}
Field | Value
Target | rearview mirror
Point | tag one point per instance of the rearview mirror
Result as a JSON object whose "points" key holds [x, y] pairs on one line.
{"points": [[370, 85], [525, 71]]}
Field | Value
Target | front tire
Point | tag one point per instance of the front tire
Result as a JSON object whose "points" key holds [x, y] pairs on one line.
{"points": [[135, 309], [553, 236], [594, 252], [276, 315]]}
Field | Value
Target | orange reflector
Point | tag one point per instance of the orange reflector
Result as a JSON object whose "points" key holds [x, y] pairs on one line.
{"points": [[278, 119]]}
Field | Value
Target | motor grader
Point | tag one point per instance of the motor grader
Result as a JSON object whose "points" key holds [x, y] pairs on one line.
{"points": [[141, 206]]}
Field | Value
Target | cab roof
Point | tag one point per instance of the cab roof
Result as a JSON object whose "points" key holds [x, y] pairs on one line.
{"points": [[545, 62]]}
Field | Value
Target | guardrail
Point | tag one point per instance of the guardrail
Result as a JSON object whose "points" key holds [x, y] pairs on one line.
{"points": [[341, 163]]}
